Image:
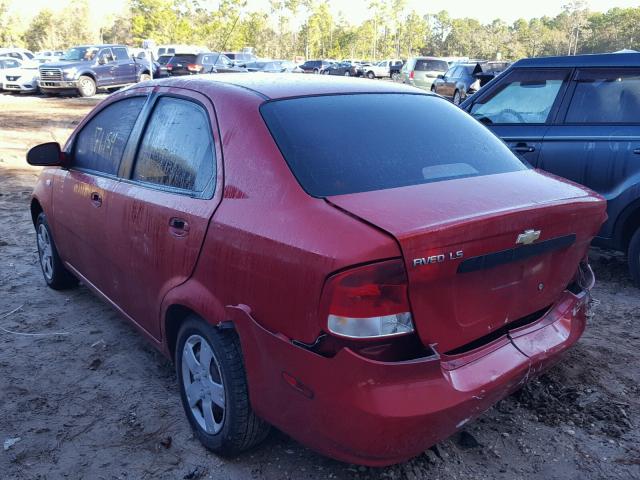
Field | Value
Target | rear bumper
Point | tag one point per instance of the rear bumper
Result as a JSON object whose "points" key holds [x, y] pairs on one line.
{"points": [[378, 413]]}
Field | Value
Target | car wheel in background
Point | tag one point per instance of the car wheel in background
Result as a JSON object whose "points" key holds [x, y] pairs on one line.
{"points": [[371, 75], [433, 88], [456, 98], [633, 257], [144, 77], [347, 74], [395, 76], [316, 71], [213, 388], [53, 270], [86, 86]]}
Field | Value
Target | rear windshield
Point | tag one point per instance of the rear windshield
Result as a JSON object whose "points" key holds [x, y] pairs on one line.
{"points": [[340, 144], [183, 58], [424, 65]]}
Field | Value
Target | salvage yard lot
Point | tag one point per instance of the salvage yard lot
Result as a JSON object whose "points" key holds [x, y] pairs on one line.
{"points": [[88, 398]]}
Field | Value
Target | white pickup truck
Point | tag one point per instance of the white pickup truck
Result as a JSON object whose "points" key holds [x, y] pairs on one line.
{"points": [[380, 69]]}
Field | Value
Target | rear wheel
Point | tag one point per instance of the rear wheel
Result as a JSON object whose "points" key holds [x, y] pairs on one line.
{"points": [[371, 75], [144, 77], [633, 257], [347, 74], [316, 71], [456, 98], [53, 270], [86, 86], [213, 388]]}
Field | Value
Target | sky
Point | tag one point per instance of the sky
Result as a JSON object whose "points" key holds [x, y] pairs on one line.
{"points": [[355, 11]]}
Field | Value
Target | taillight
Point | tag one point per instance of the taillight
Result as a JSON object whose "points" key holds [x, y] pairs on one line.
{"points": [[169, 67], [369, 301], [193, 67], [411, 75]]}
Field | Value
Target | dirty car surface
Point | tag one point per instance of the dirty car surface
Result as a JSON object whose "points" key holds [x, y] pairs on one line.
{"points": [[333, 292]]}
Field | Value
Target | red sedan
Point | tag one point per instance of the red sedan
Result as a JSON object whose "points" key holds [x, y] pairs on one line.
{"points": [[360, 264]]}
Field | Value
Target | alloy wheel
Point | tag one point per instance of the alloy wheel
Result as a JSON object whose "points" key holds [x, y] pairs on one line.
{"points": [[45, 251], [203, 384]]}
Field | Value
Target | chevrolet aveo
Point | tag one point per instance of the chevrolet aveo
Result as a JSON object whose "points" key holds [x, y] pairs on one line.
{"points": [[327, 256]]}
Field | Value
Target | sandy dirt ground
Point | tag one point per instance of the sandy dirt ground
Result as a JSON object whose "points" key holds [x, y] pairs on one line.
{"points": [[82, 396]]}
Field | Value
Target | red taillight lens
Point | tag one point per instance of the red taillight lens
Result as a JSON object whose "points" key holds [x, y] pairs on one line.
{"points": [[411, 75], [193, 67], [369, 301], [169, 67]]}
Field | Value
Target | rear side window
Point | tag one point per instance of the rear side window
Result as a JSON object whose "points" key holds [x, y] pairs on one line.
{"points": [[606, 97], [177, 148], [381, 141], [121, 53], [525, 96], [101, 142]]}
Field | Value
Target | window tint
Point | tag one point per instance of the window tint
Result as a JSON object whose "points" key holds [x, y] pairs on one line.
{"points": [[101, 142], [401, 140], [121, 53], [177, 147], [524, 97], [107, 54], [606, 97], [28, 55], [430, 65], [183, 59]]}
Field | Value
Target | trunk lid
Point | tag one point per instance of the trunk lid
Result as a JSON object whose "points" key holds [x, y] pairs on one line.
{"points": [[468, 276]]}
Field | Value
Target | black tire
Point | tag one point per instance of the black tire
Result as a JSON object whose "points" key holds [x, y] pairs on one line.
{"points": [[53, 270], [457, 98], [433, 88], [144, 77], [395, 76], [86, 86], [371, 75], [240, 428], [316, 71], [633, 257]]}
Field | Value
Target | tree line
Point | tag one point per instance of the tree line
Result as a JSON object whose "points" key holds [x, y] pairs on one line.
{"points": [[309, 28]]}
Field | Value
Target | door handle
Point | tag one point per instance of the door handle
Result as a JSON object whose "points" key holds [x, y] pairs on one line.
{"points": [[523, 148], [96, 199], [178, 227]]}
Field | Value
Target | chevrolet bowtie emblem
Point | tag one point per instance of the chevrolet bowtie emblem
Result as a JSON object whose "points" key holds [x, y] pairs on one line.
{"points": [[528, 237]]}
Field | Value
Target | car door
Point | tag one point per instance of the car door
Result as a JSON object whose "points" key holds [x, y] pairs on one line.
{"points": [[520, 107], [444, 86], [126, 68], [596, 140], [105, 67], [83, 192], [162, 211]]}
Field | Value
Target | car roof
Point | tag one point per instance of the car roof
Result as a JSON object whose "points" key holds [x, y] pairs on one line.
{"points": [[286, 85], [591, 60]]}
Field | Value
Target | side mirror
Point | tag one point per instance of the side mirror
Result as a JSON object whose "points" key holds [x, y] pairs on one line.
{"points": [[46, 155], [441, 77]]}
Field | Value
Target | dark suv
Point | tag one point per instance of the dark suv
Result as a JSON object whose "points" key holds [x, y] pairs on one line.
{"points": [[315, 66], [89, 67], [577, 117]]}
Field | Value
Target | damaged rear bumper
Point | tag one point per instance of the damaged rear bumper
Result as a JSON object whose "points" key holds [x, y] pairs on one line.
{"points": [[378, 413]]}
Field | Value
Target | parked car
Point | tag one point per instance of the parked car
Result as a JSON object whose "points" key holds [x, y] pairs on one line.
{"points": [[178, 48], [394, 70], [381, 69], [5, 64], [465, 79], [48, 56], [346, 69], [179, 64], [213, 62], [22, 79], [315, 290], [86, 68], [576, 117], [422, 71], [272, 66], [18, 53], [315, 66]]}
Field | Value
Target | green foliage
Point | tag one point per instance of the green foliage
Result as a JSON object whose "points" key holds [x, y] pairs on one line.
{"points": [[309, 28]]}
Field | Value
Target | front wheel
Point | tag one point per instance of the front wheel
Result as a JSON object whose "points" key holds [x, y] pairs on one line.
{"points": [[347, 74], [370, 75], [456, 98], [86, 86], [633, 258], [395, 76], [213, 388], [53, 270], [144, 77]]}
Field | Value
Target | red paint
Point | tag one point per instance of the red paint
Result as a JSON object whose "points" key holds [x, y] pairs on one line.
{"points": [[266, 256]]}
